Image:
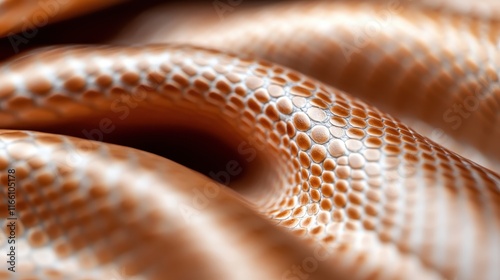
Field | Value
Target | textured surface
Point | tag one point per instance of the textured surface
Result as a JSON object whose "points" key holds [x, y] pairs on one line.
{"points": [[435, 70], [338, 188]]}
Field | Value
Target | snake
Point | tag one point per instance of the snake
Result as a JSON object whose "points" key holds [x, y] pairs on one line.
{"points": [[340, 140]]}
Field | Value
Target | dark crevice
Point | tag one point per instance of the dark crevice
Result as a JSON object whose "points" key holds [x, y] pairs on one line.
{"points": [[196, 150]]}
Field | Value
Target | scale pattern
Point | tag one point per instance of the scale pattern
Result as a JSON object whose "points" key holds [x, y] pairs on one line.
{"points": [[435, 70], [347, 192], [348, 176]]}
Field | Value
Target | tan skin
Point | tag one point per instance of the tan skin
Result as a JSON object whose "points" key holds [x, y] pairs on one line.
{"points": [[318, 184]]}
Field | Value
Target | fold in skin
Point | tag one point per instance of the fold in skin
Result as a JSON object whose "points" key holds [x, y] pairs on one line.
{"points": [[139, 218], [437, 70], [337, 189], [335, 172]]}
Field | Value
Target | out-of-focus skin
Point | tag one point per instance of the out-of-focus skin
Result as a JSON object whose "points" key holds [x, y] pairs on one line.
{"points": [[25, 15], [323, 185]]}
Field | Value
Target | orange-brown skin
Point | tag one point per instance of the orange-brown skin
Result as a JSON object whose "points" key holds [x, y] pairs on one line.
{"points": [[329, 174], [30, 15], [437, 70]]}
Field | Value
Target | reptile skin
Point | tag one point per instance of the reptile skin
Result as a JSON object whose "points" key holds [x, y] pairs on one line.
{"points": [[333, 187]]}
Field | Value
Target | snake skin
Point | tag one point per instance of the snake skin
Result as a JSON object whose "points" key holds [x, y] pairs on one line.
{"points": [[337, 189], [436, 71]]}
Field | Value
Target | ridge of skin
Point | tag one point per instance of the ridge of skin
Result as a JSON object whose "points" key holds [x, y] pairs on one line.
{"points": [[336, 171]]}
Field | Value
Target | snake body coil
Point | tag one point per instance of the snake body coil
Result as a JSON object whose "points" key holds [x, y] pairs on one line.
{"points": [[334, 188]]}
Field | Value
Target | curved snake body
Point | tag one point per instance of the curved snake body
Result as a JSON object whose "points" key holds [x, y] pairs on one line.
{"points": [[337, 188]]}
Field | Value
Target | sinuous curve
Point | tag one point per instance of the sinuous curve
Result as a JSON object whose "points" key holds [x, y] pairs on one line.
{"points": [[333, 188]]}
